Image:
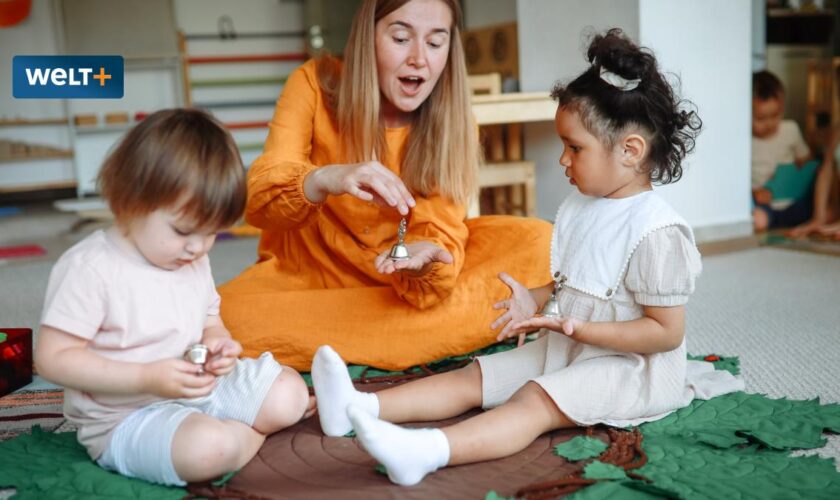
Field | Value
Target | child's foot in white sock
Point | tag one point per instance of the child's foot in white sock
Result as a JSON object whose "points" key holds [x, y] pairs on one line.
{"points": [[334, 391], [407, 454]]}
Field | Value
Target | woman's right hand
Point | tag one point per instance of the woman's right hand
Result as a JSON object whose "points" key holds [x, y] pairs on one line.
{"points": [[176, 378], [368, 181]]}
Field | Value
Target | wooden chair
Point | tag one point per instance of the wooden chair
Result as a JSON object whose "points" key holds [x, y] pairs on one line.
{"points": [[823, 102], [510, 181]]}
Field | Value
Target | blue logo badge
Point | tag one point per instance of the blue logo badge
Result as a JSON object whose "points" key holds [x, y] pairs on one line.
{"points": [[68, 77]]}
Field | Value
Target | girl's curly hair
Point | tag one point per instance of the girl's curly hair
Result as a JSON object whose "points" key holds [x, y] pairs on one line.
{"points": [[652, 108]]}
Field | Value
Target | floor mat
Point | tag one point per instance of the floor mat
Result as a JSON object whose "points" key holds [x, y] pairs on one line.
{"points": [[813, 244], [733, 446], [23, 409]]}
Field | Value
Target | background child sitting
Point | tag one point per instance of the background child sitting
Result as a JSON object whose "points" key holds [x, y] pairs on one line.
{"points": [[123, 305], [775, 142], [825, 220]]}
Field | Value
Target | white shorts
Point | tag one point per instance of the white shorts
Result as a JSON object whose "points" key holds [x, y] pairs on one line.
{"points": [[141, 445]]}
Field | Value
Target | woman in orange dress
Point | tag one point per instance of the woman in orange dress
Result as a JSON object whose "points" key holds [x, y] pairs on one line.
{"points": [[352, 149]]}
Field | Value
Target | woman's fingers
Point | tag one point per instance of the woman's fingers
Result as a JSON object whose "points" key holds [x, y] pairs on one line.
{"points": [[361, 194]]}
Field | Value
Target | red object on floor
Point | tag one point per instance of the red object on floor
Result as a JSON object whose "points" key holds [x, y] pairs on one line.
{"points": [[15, 359], [712, 357], [21, 251]]}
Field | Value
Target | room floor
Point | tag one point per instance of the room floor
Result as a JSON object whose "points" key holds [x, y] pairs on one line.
{"points": [[776, 309]]}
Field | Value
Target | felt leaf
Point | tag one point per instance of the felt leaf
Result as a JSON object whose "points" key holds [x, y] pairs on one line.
{"points": [[599, 470], [580, 447], [49, 465], [492, 495], [728, 363], [612, 490], [699, 451], [380, 469]]}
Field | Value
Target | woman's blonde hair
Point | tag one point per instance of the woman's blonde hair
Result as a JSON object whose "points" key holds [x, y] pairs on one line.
{"points": [[178, 158], [442, 154]]}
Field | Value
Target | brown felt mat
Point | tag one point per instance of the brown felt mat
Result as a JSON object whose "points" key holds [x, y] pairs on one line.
{"points": [[302, 463]]}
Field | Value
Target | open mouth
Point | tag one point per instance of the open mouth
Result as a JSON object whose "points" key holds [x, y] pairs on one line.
{"points": [[411, 84]]}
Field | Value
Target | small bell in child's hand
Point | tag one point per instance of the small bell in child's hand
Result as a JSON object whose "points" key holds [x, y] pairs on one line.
{"points": [[551, 308], [399, 251], [197, 354]]}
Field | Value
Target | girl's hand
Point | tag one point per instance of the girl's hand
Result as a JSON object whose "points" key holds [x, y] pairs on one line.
{"points": [[566, 326], [368, 181], [520, 307], [176, 378], [423, 255], [224, 352]]}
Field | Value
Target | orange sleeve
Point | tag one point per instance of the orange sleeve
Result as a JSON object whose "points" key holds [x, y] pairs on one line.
{"points": [[440, 221], [275, 180]]}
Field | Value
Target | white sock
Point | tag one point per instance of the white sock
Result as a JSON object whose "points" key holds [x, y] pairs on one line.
{"points": [[334, 391], [407, 454]]}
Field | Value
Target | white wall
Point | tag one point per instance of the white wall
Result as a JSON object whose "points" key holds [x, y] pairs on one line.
{"points": [[552, 46], [713, 59]]}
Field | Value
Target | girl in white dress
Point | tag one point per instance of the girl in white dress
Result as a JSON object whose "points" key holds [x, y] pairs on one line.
{"points": [[623, 266]]}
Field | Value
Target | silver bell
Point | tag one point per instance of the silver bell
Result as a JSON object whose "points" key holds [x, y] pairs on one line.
{"points": [[551, 308], [197, 354], [399, 251]]}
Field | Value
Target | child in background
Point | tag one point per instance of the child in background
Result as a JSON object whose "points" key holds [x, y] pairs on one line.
{"points": [[826, 213], [123, 305], [624, 263], [774, 142]]}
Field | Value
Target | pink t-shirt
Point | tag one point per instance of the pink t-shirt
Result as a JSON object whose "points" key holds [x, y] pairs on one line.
{"points": [[128, 310]]}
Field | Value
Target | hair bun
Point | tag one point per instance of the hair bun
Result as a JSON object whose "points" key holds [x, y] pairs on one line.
{"points": [[618, 54]]}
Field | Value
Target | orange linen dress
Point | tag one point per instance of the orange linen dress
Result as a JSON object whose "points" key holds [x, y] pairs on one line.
{"points": [[315, 283]]}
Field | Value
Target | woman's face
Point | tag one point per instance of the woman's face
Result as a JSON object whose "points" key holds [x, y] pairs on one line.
{"points": [[412, 46]]}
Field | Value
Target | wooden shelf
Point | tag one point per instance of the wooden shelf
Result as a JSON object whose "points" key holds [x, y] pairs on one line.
{"points": [[235, 104], [237, 82], [38, 122], [502, 173], [248, 58], [251, 146], [513, 108], [53, 155], [243, 125], [22, 188], [102, 129]]}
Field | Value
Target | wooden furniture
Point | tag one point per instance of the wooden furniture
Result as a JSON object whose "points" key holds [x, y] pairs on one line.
{"points": [[823, 102], [508, 183]]}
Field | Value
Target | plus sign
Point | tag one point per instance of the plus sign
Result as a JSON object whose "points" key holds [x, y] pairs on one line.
{"points": [[102, 76]]}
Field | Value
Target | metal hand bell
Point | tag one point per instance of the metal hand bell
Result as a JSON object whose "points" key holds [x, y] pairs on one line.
{"points": [[197, 354], [552, 307], [399, 251]]}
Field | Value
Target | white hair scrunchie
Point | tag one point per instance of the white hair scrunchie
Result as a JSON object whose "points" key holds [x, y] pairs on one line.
{"points": [[618, 81]]}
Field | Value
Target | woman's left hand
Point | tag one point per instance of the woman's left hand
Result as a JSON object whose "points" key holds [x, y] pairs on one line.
{"points": [[566, 326], [423, 255]]}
